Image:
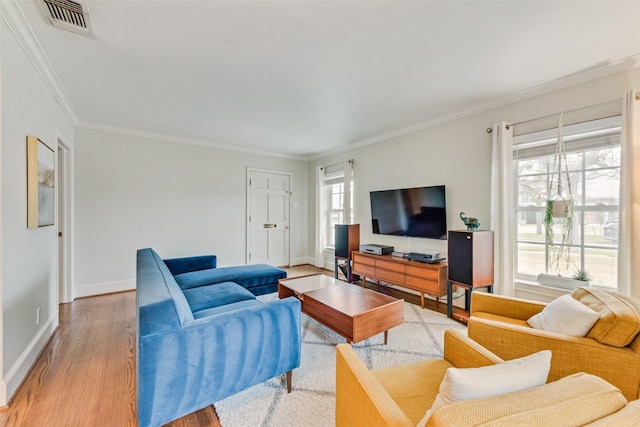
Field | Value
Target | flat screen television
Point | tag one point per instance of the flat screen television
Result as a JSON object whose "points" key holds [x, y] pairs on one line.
{"points": [[411, 212]]}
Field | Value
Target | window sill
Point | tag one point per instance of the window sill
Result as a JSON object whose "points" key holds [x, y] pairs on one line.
{"points": [[533, 290]]}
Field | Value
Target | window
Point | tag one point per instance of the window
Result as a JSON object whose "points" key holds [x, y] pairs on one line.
{"points": [[334, 203], [593, 156]]}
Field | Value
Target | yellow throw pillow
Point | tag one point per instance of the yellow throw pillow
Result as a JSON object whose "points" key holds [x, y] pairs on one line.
{"points": [[619, 319], [507, 377], [578, 399]]}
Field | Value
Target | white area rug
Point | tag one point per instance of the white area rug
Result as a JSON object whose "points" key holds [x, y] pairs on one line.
{"points": [[312, 399]]}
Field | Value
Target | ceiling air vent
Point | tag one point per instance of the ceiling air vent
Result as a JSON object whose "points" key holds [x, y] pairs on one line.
{"points": [[68, 15]]}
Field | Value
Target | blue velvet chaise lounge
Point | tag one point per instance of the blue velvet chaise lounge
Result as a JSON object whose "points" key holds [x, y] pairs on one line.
{"points": [[196, 271], [198, 342]]}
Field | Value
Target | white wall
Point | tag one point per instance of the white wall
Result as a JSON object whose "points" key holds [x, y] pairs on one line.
{"points": [[133, 192], [28, 258], [456, 154]]}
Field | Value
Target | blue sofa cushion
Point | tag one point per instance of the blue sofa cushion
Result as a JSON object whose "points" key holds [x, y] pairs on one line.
{"points": [[216, 295], [193, 263], [161, 306], [208, 312], [246, 276], [264, 289]]}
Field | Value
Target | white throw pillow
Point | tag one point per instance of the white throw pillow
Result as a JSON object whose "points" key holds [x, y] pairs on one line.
{"points": [[565, 315], [506, 377]]}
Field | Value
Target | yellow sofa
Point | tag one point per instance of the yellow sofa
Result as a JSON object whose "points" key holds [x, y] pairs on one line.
{"points": [[610, 350], [400, 396]]}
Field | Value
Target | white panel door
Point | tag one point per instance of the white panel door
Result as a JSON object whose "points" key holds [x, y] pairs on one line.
{"points": [[268, 220]]}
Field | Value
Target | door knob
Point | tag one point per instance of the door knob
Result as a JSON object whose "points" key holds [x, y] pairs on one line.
{"points": [[270, 225]]}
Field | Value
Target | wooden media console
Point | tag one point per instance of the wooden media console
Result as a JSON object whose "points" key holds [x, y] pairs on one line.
{"points": [[425, 278]]}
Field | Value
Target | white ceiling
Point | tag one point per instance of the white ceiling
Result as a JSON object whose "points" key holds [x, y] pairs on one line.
{"points": [[299, 78]]}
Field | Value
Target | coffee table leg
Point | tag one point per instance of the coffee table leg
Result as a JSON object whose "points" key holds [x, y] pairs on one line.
{"points": [[386, 336]]}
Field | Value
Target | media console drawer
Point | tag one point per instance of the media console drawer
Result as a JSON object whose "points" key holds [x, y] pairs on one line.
{"points": [[421, 271], [390, 265], [424, 278], [418, 283], [365, 270], [361, 259], [390, 276]]}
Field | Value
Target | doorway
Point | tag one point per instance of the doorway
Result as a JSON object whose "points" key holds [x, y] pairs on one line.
{"points": [[268, 221], [64, 201]]}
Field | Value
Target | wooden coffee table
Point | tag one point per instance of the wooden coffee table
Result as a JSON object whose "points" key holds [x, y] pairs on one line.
{"points": [[349, 310]]}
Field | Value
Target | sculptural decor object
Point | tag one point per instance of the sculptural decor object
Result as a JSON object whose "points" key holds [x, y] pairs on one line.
{"points": [[472, 223]]}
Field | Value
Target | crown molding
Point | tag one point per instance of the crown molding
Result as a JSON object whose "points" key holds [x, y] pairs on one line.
{"points": [[182, 140], [596, 72], [13, 16]]}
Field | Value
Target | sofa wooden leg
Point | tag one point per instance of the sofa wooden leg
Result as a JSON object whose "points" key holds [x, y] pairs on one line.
{"points": [[289, 376]]}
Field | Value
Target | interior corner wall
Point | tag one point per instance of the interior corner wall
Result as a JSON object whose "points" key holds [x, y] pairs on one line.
{"points": [[457, 154], [28, 257], [179, 199]]}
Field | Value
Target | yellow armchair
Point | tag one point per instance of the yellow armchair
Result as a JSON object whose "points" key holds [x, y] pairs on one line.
{"points": [[499, 324], [400, 396]]}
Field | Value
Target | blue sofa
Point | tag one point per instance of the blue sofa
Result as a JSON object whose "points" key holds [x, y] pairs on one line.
{"points": [[197, 345]]}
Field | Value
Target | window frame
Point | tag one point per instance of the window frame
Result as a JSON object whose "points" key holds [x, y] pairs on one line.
{"points": [[333, 179], [582, 138]]}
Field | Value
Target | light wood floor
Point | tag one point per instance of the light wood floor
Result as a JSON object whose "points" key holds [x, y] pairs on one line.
{"points": [[85, 375]]}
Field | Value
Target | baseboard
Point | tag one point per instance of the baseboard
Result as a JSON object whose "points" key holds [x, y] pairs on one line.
{"points": [[20, 369], [104, 288], [329, 265], [299, 261], [3, 393]]}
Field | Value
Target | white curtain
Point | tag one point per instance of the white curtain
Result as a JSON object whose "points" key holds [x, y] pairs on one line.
{"points": [[629, 225], [346, 203], [321, 217], [502, 207]]}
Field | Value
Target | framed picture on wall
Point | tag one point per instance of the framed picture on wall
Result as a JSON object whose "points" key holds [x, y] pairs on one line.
{"points": [[40, 183]]}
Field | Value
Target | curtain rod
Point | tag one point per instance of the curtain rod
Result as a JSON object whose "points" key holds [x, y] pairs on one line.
{"points": [[337, 164], [489, 130]]}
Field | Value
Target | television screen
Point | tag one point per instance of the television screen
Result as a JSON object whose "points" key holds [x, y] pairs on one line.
{"points": [[411, 212]]}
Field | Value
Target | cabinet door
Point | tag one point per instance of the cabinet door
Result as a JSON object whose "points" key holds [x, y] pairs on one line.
{"points": [[461, 257]]}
